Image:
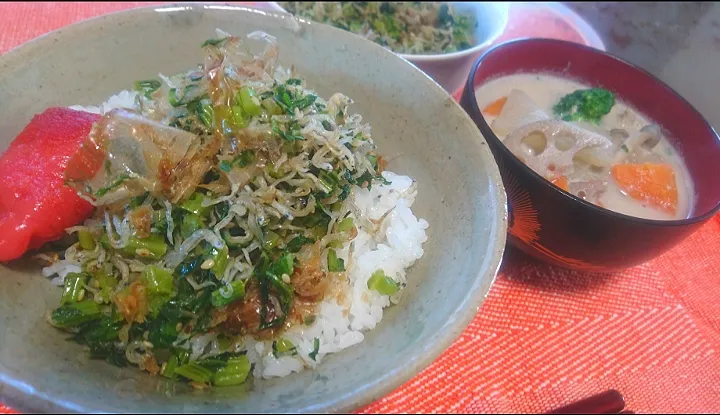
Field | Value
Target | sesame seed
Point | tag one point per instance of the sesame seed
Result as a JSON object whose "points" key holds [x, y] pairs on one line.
{"points": [[143, 252], [209, 263]]}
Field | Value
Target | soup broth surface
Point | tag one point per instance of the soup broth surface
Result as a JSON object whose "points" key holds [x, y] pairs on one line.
{"points": [[622, 161]]}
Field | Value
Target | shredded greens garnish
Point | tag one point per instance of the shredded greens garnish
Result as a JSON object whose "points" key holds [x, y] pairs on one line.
{"points": [[316, 349], [335, 264], [223, 200], [103, 190], [147, 87], [213, 42], [74, 288], [283, 347], [403, 27], [382, 283]]}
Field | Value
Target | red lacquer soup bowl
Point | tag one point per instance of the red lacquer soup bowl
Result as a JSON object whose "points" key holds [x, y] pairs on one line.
{"points": [[562, 229]]}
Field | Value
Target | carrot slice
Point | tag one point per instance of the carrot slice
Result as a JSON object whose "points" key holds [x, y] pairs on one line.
{"points": [[382, 163], [495, 107], [561, 182], [650, 183]]}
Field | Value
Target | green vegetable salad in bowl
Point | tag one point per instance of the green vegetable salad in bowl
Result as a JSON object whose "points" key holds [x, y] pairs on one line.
{"points": [[404, 27], [440, 38]]}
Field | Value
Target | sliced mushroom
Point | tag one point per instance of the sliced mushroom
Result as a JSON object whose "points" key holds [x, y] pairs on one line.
{"points": [[647, 137], [653, 133], [640, 143], [618, 136]]}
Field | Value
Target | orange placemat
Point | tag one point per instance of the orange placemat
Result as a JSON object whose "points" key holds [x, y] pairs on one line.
{"points": [[545, 336]]}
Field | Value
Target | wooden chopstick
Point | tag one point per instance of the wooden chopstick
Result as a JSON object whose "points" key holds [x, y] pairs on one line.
{"points": [[609, 402]]}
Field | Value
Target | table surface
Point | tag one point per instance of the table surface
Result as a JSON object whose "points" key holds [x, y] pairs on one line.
{"points": [[548, 336]]}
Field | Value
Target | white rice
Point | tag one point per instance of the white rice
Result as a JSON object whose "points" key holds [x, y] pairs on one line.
{"points": [[125, 99], [338, 326], [393, 248]]}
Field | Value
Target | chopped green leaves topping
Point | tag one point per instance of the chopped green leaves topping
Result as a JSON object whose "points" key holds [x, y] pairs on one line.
{"points": [[345, 225], [153, 247], [112, 186], [329, 181], [228, 294], [190, 224], [249, 102], [289, 100], [205, 113], [159, 280], [147, 87], [273, 279], [213, 42], [225, 166], [177, 359], [382, 283], [195, 372], [298, 242], [283, 266], [195, 204], [220, 258], [290, 132], [272, 167], [244, 159], [74, 288], [283, 347], [75, 314], [335, 264], [316, 349], [234, 373]]}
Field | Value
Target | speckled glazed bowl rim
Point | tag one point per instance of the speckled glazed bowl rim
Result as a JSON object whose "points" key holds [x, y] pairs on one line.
{"points": [[477, 113], [24, 397], [454, 55]]}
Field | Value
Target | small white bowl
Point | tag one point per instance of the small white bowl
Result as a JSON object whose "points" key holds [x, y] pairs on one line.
{"points": [[450, 69], [271, 5]]}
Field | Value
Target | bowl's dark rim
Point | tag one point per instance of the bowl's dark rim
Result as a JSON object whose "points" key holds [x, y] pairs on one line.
{"points": [[24, 397], [477, 114]]}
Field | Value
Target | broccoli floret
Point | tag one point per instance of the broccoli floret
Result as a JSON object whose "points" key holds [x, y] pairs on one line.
{"points": [[585, 105]]}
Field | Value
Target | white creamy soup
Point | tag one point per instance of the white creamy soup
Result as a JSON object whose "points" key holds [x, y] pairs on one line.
{"points": [[588, 142]]}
